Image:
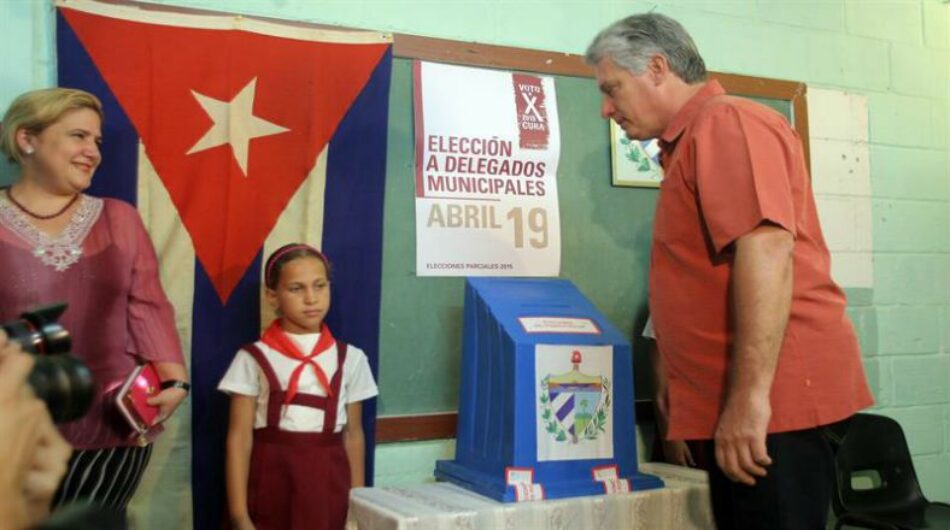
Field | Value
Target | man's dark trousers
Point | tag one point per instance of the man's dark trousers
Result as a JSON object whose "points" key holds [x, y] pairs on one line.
{"points": [[796, 493]]}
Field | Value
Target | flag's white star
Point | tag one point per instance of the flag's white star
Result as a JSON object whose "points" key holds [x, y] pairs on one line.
{"points": [[234, 124]]}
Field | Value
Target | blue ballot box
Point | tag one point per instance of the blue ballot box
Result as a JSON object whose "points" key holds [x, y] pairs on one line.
{"points": [[546, 397]]}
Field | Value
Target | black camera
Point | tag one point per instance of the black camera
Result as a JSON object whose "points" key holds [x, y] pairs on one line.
{"points": [[58, 378]]}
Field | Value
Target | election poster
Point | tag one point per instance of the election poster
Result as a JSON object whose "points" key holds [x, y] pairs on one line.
{"points": [[487, 148]]}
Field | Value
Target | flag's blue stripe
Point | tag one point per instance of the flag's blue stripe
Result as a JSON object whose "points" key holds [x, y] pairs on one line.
{"points": [[353, 226], [217, 333], [116, 177]]}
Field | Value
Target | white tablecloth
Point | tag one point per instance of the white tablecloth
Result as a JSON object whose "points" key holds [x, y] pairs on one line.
{"points": [[683, 504]]}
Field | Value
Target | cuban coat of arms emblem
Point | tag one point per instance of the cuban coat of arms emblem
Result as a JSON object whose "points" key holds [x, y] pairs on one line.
{"points": [[574, 400]]}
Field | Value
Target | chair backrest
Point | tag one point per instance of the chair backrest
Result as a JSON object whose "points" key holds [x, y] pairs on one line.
{"points": [[874, 446]]}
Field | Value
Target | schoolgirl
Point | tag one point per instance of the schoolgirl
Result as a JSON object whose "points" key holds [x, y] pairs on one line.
{"points": [[295, 442]]}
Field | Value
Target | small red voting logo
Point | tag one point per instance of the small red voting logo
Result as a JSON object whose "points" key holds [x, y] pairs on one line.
{"points": [[533, 128]]}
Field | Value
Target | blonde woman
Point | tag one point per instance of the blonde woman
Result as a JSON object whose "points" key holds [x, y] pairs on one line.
{"points": [[59, 244]]}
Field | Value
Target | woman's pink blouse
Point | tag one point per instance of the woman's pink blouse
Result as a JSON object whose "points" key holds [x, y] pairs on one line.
{"points": [[118, 314]]}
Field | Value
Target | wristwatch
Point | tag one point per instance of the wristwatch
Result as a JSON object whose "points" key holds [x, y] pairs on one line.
{"points": [[175, 383]]}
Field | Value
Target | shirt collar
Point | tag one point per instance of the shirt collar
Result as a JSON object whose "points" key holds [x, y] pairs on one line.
{"points": [[688, 111]]}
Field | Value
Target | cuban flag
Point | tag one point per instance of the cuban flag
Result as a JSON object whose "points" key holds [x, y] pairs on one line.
{"points": [[234, 136]]}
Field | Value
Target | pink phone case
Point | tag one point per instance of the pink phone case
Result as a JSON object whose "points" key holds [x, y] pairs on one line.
{"points": [[138, 387]]}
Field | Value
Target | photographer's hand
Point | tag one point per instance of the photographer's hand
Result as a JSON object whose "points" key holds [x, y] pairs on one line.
{"points": [[32, 456], [49, 465]]}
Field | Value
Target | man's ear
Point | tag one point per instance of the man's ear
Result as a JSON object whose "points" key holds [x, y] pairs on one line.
{"points": [[658, 67]]}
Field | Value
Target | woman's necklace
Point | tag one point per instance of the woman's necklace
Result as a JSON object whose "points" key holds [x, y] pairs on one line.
{"points": [[36, 215]]}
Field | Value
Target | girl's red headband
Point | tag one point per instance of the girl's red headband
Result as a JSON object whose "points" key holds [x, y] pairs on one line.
{"points": [[274, 257]]}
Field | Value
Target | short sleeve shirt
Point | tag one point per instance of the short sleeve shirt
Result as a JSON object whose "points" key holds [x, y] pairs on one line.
{"points": [[731, 164], [245, 377]]}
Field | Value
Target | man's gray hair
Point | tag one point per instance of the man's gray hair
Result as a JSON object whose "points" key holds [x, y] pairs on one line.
{"points": [[631, 43]]}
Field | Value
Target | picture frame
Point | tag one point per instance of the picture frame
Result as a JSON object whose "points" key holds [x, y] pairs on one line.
{"points": [[634, 163]]}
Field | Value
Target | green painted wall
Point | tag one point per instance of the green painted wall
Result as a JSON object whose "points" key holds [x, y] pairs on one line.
{"points": [[893, 51], [420, 339], [605, 245]]}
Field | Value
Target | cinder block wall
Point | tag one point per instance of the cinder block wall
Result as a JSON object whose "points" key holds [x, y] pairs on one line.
{"points": [[892, 53]]}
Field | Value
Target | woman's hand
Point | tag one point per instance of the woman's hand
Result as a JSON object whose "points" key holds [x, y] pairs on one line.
{"points": [[167, 401]]}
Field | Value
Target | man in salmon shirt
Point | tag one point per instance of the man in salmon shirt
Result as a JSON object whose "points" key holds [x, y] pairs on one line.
{"points": [[758, 354]]}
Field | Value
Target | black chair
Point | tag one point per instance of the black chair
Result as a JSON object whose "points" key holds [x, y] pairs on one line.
{"points": [[874, 450]]}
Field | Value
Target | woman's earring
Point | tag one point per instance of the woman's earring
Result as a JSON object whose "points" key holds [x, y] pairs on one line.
{"points": [[28, 150]]}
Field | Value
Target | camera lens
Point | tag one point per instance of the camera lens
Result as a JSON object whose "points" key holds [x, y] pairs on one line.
{"points": [[65, 384], [38, 331], [58, 378]]}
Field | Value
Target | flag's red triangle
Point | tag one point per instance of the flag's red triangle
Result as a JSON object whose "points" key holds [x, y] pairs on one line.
{"points": [[159, 72]]}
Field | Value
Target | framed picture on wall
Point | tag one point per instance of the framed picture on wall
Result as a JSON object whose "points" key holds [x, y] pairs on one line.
{"points": [[633, 162]]}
